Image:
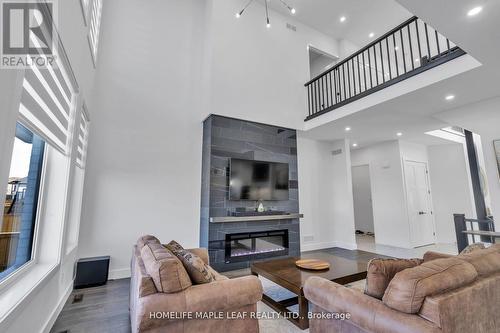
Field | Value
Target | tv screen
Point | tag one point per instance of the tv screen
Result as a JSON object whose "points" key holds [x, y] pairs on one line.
{"points": [[258, 180]]}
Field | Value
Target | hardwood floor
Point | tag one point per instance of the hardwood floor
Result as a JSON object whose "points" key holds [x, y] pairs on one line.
{"points": [[102, 310], [105, 309]]}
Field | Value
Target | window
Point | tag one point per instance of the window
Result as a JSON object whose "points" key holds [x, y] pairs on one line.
{"points": [[83, 132], [95, 25], [17, 228]]}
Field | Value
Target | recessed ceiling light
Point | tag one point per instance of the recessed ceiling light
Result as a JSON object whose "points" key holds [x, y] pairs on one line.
{"points": [[450, 97], [343, 18], [399, 134], [268, 25], [354, 144], [293, 11], [371, 35], [347, 129], [474, 11]]}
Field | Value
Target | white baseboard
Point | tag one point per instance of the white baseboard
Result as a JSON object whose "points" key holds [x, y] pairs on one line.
{"points": [[349, 246], [53, 316], [326, 245], [121, 273]]}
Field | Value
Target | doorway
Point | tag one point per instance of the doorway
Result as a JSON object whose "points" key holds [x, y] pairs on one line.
{"points": [[363, 205], [419, 201], [319, 61]]}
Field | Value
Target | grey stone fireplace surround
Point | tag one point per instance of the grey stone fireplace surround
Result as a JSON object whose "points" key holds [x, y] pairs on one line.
{"points": [[226, 138]]}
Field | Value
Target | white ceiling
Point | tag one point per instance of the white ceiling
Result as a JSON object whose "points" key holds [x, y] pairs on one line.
{"points": [[415, 113], [362, 16]]}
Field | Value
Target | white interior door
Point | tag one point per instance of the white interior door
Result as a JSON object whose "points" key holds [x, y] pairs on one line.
{"points": [[418, 194], [362, 195]]}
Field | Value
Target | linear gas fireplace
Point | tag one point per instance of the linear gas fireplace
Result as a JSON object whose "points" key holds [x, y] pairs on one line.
{"points": [[256, 245]]}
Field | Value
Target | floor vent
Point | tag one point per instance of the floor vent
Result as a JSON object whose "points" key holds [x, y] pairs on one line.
{"points": [[77, 298]]}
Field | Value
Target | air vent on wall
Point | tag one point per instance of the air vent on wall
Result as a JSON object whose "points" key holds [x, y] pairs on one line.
{"points": [[337, 152], [291, 27]]}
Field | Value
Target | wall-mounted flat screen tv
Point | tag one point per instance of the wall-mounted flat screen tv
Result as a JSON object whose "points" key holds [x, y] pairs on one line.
{"points": [[258, 180]]}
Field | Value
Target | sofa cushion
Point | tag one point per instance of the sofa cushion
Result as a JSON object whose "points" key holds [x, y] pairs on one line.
{"points": [[197, 269], [431, 255], [485, 262], [143, 240], [167, 272], [381, 271], [408, 289]]}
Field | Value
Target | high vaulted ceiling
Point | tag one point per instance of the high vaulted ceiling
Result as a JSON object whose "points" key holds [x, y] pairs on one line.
{"points": [[362, 16], [417, 112]]}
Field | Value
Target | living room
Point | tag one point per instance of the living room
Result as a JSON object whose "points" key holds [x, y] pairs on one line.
{"points": [[206, 123]]}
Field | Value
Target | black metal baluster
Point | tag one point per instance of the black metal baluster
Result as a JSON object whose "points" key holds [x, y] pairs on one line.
{"points": [[437, 41], [313, 90], [359, 73], [321, 93], [388, 57], [376, 67], [395, 54], [382, 60], [418, 40], [370, 68], [309, 99], [343, 79], [403, 48], [335, 90], [411, 49], [331, 88], [353, 76], [428, 44], [364, 70], [349, 79]]}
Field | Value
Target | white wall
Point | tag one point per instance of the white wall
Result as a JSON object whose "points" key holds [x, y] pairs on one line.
{"points": [[388, 194], [324, 180], [450, 188], [39, 309], [257, 73], [482, 118], [144, 161]]}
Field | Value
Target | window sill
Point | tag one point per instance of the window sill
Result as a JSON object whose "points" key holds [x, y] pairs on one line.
{"points": [[18, 293]]}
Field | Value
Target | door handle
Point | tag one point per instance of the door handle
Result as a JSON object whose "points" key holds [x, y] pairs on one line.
{"points": [[422, 213]]}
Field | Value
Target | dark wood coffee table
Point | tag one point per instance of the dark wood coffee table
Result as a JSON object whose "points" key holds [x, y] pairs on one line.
{"points": [[284, 273]]}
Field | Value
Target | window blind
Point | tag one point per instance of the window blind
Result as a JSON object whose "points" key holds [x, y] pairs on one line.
{"points": [[46, 105], [95, 24], [83, 135]]}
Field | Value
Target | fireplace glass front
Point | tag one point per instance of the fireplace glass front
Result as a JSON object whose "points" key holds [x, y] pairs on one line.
{"points": [[256, 245]]}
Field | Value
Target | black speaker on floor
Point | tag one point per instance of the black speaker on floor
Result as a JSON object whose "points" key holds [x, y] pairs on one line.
{"points": [[91, 272]]}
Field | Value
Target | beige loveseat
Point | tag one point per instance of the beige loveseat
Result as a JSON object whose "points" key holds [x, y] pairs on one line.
{"points": [[163, 298], [441, 294]]}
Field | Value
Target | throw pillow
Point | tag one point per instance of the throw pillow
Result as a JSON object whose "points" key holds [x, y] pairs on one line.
{"points": [[381, 271], [198, 271]]}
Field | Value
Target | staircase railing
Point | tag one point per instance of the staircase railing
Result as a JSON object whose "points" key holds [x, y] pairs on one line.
{"points": [[407, 50], [466, 234]]}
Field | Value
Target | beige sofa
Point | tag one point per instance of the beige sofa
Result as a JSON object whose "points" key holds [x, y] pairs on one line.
{"points": [[163, 298], [446, 294]]}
